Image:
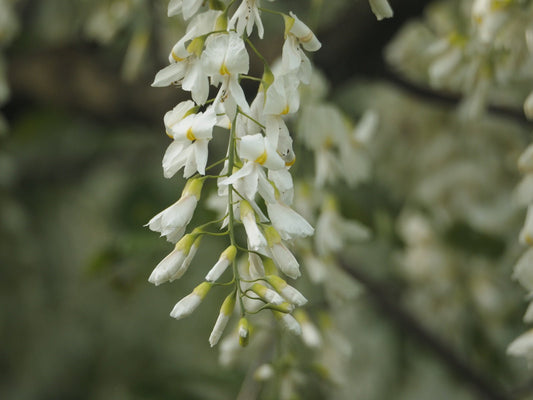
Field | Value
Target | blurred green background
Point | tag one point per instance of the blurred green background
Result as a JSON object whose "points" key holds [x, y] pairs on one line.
{"points": [[80, 174]]}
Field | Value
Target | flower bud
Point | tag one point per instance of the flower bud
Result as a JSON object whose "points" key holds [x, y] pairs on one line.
{"points": [[288, 322], [287, 291], [174, 263], [244, 332], [267, 294], [190, 302], [223, 317], [381, 9], [225, 259]]}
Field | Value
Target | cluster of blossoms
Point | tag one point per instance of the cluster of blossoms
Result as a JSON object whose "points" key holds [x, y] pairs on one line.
{"points": [[327, 133], [482, 49], [523, 270], [254, 183], [478, 48]]}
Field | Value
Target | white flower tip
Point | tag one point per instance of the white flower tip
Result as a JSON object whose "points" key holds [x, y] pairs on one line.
{"points": [[381, 9]]}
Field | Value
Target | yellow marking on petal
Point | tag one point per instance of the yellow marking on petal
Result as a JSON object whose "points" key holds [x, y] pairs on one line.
{"points": [[285, 110], [223, 69], [190, 135], [169, 135], [262, 158], [175, 57], [529, 240], [290, 163], [306, 38]]}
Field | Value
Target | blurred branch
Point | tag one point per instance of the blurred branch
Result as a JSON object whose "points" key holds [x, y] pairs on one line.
{"points": [[80, 78], [450, 99], [380, 295]]}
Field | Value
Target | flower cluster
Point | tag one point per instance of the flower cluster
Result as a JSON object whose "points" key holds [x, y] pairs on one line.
{"points": [[477, 48], [523, 270], [254, 183]]}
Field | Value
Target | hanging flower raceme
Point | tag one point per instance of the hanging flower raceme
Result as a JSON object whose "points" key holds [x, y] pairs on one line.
{"points": [[255, 187]]}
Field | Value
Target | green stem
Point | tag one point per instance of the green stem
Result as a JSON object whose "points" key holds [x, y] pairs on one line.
{"points": [[252, 119], [231, 218], [249, 42]]}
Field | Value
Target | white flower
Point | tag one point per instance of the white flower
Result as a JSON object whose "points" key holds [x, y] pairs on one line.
{"points": [[256, 240], [526, 234], [225, 54], [332, 230], [264, 372], [243, 332], [445, 64], [256, 268], [224, 58], [294, 61], [310, 334], [190, 302], [259, 149], [528, 106], [172, 221], [523, 193], [282, 256], [173, 263], [381, 9], [175, 115], [293, 58], [267, 294], [189, 150], [282, 179], [523, 270], [316, 268], [223, 317], [282, 96], [525, 162], [245, 17], [185, 265], [489, 17], [188, 72], [288, 222], [186, 7], [287, 291], [288, 322], [304, 35], [200, 25], [225, 259], [522, 346]]}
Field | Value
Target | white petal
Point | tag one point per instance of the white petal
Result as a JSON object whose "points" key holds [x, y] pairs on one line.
{"points": [[288, 222], [218, 329], [256, 239], [381, 9], [285, 260], [167, 267], [174, 7], [293, 295], [169, 74], [186, 306], [526, 234], [201, 154], [523, 270], [290, 323], [522, 345], [217, 270], [174, 158]]}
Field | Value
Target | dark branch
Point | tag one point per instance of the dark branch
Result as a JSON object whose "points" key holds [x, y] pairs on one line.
{"points": [[487, 388]]}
